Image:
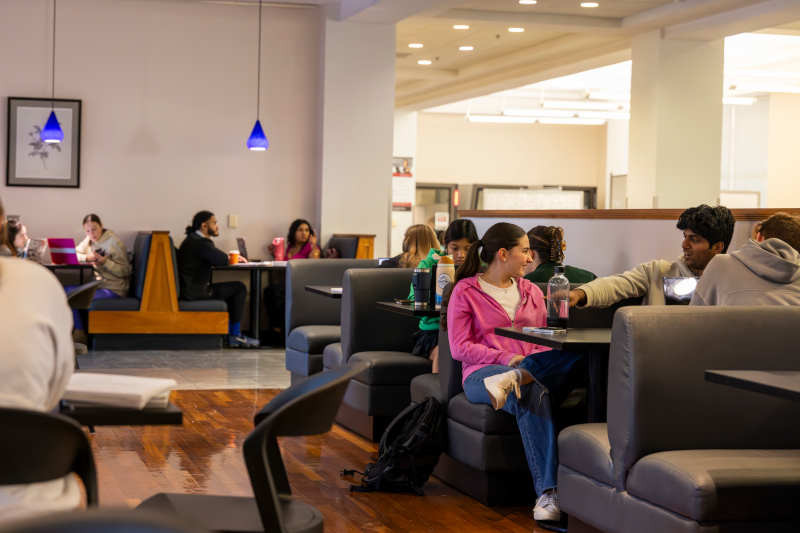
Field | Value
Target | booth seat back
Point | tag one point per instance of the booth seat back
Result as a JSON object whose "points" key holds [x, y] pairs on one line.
{"points": [[305, 308], [141, 253], [365, 328], [659, 400]]}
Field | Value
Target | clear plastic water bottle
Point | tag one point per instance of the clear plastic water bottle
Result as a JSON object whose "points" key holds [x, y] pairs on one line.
{"points": [[558, 300]]}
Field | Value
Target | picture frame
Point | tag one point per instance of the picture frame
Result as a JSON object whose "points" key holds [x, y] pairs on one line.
{"points": [[33, 163]]}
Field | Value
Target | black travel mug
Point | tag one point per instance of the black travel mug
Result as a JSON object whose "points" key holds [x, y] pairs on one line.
{"points": [[421, 281]]}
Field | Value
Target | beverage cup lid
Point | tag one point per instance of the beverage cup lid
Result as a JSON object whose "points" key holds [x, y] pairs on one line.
{"points": [[559, 270], [234, 252]]}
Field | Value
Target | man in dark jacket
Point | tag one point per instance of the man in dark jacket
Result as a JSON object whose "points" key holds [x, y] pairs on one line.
{"points": [[196, 256]]}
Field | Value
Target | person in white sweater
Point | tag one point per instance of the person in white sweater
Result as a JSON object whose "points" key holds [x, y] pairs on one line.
{"points": [[707, 232], [36, 363]]}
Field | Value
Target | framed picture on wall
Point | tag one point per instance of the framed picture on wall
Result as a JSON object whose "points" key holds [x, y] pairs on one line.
{"points": [[33, 163]]}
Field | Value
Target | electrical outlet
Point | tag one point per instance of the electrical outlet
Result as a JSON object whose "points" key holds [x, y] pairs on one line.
{"points": [[233, 221]]}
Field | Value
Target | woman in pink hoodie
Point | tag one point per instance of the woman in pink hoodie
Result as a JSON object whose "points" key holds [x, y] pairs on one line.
{"points": [[523, 379]]}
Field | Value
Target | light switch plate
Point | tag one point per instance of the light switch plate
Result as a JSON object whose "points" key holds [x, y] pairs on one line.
{"points": [[233, 221]]}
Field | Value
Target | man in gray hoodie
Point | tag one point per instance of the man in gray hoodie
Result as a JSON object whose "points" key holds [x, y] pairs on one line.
{"points": [[765, 271]]}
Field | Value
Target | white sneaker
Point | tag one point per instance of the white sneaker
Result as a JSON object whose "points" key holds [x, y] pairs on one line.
{"points": [[500, 386], [547, 507]]}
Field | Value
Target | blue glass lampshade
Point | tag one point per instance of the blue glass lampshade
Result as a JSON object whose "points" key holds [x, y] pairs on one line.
{"points": [[257, 140], [52, 130]]}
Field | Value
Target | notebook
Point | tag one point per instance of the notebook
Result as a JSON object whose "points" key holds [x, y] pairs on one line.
{"points": [[111, 390], [62, 251]]}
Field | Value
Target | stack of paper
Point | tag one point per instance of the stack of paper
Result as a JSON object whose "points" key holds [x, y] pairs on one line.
{"points": [[336, 290], [110, 390]]}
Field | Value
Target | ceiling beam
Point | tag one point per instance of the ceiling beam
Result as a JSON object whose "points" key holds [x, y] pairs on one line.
{"points": [[736, 21], [406, 73], [391, 11], [570, 23]]}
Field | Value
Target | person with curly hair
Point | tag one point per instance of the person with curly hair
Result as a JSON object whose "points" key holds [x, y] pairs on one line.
{"points": [[707, 232], [547, 247]]}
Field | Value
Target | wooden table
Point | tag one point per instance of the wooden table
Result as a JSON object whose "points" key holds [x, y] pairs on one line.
{"points": [[255, 270], [408, 309], [325, 290], [117, 416], [781, 384], [80, 266], [595, 341]]}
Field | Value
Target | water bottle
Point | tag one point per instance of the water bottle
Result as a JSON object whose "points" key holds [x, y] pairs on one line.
{"points": [[558, 300], [280, 248], [445, 273]]}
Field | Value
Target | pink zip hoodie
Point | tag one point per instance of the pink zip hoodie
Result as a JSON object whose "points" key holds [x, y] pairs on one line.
{"points": [[472, 316]]}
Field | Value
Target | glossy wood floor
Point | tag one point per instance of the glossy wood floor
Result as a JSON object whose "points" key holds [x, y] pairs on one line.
{"points": [[204, 457]]}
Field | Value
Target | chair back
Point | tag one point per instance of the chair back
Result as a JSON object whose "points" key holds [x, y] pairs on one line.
{"points": [[346, 246], [365, 328], [38, 447], [305, 308], [450, 376], [141, 254], [305, 408], [81, 297], [659, 400], [114, 520]]}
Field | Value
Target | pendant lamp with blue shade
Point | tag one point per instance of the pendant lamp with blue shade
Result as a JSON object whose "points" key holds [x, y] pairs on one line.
{"points": [[52, 132], [258, 141]]}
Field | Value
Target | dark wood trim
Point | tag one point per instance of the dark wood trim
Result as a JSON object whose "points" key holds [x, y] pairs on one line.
{"points": [[620, 214]]}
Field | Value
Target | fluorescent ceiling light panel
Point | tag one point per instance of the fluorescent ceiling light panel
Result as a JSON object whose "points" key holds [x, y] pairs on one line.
{"points": [[516, 30], [502, 119], [424, 62], [580, 104], [761, 73], [415, 46], [766, 88], [553, 113], [466, 48], [460, 27], [590, 4], [738, 100], [527, 1], [609, 96], [576, 121], [622, 115]]}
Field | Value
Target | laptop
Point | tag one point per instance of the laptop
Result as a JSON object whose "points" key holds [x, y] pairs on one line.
{"points": [[62, 252], [679, 291], [36, 250], [242, 248]]}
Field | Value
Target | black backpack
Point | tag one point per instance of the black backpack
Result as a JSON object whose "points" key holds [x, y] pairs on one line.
{"points": [[408, 452]]}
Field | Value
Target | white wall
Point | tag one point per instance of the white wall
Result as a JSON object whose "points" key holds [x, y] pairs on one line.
{"points": [[784, 156], [169, 99], [355, 177], [405, 145], [617, 138], [451, 150]]}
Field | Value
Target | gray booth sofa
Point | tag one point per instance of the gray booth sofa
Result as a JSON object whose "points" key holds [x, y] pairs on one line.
{"points": [[680, 454], [484, 456], [381, 338], [313, 321]]}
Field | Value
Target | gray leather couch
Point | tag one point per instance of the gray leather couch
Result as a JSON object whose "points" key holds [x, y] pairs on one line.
{"points": [[484, 456], [680, 454], [313, 321], [381, 338]]}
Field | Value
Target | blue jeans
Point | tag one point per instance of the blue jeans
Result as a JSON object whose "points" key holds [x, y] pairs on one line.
{"points": [[101, 294], [556, 375]]}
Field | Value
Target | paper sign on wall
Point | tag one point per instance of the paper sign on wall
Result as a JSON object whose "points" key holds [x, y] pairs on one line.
{"points": [[441, 220]]}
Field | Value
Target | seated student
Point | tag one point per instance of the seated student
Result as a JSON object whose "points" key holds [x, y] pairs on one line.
{"points": [[36, 363], [523, 379], [418, 240], [707, 232], [196, 256], [15, 240], [547, 251], [110, 257], [458, 238], [301, 243], [765, 271]]}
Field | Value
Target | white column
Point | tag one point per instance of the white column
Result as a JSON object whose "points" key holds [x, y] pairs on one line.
{"points": [[405, 145], [676, 122], [356, 115]]}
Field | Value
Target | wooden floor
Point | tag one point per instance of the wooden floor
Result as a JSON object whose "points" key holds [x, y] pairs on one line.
{"points": [[204, 457]]}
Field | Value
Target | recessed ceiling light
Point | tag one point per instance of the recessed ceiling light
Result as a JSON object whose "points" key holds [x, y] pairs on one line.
{"points": [[527, 1], [460, 27], [589, 4], [516, 30], [424, 62], [465, 48], [415, 46]]}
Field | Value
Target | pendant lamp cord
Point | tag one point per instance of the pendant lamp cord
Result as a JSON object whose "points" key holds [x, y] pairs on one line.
{"points": [[53, 93], [258, 96]]}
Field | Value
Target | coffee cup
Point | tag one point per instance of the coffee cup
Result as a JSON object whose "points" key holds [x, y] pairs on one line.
{"points": [[233, 257], [421, 281]]}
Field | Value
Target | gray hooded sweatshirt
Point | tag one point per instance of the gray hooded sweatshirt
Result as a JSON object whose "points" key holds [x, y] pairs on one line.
{"points": [[766, 273]]}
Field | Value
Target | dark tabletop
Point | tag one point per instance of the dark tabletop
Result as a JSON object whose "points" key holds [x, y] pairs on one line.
{"points": [[573, 339], [248, 266], [117, 416], [407, 309], [782, 384], [80, 265], [324, 290]]}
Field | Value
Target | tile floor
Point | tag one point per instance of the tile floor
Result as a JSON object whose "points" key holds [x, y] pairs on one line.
{"points": [[195, 369]]}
